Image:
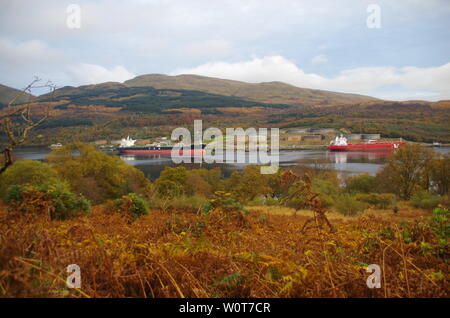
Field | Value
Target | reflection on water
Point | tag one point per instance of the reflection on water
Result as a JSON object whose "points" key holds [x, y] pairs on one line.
{"points": [[345, 163], [340, 157]]}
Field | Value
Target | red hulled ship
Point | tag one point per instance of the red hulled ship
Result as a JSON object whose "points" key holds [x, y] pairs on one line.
{"points": [[340, 144]]}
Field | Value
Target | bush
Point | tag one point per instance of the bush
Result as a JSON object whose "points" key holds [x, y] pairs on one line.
{"points": [[96, 175], [225, 202], [131, 204], [326, 190], [363, 183], [347, 204], [379, 200], [425, 200], [168, 188], [55, 200], [27, 172], [440, 223], [172, 182]]}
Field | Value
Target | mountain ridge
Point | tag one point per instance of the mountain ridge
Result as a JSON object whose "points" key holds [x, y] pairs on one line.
{"points": [[7, 93], [266, 92]]}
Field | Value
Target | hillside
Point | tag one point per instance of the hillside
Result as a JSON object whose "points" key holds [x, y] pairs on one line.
{"points": [[271, 92], [147, 99], [8, 93], [153, 105]]}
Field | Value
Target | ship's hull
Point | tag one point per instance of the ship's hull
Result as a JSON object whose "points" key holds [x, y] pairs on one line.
{"points": [[155, 150], [373, 146]]}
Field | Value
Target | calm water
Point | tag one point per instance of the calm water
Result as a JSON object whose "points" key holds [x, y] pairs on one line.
{"points": [[345, 163]]}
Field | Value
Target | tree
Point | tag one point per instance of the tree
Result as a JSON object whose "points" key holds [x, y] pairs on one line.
{"points": [[362, 183], [96, 175], [28, 172], [250, 183], [406, 171], [440, 174], [17, 120], [172, 181]]}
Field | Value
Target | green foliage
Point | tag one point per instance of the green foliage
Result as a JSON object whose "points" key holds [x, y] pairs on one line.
{"points": [[440, 174], [232, 280], [326, 190], [96, 175], [379, 200], [168, 188], [172, 182], [440, 223], [249, 183], [27, 172], [184, 203], [225, 202], [406, 171], [132, 204], [425, 200], [151, 100], [55, 200], [347, 204], [363, 183], [65, 122]]}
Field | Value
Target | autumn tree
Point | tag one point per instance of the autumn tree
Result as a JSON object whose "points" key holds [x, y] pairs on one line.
{"points": [[406, 171], [440, 174], [250, 183], [96, 175], [17, 120], [172, 181]]}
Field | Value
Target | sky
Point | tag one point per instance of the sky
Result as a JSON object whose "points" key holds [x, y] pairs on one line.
{"points": [[396, 50]]}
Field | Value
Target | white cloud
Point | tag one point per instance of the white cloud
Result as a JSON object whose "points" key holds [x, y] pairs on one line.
{"points": [[409, 82], [27, 52], [83, 74], [217, 48], [319, 59]]}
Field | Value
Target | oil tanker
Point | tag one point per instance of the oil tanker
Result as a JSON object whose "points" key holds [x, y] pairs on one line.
{"points": [[340, 144], [127, 147]]}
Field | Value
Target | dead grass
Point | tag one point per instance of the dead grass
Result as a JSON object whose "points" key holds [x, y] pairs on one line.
{"points": [[218, 255]]}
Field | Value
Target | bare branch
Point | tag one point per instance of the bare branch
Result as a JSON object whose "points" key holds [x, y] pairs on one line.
{"points": [[15, 130]]}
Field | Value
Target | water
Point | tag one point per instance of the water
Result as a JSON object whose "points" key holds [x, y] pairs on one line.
{"points": [[345, 163]]}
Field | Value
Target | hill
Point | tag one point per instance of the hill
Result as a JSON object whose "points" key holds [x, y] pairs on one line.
{"points": [[153, 105], [270, 92], [8, 93]]}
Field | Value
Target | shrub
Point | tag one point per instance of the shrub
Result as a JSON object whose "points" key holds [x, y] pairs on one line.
{"points": [[425, 200], [55, 200], [347, 204], [326, 190], [225, 202], [96, 175], [440, 223], [172, 182], [27, 172], [168, 188], [363, 183], [131, 204], [379, 200]]}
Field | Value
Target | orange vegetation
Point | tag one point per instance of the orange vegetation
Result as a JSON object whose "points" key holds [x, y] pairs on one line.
{"points": [[220, 254]]}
